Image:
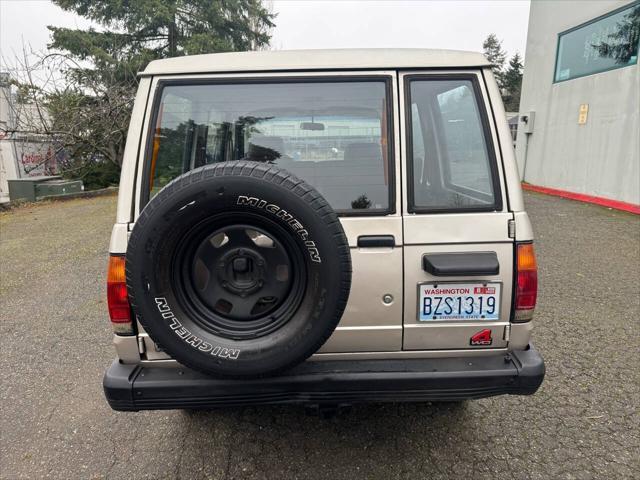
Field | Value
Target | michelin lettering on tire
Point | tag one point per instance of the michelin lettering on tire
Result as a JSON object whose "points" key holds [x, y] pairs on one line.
{"points": [[289, 219], [191, 339]]}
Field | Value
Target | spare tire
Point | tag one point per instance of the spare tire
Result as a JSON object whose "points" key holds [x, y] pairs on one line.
{"points": [[238, 269]]}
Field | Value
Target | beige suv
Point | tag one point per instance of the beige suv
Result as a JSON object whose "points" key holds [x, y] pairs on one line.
{"points": [[320, 227]]}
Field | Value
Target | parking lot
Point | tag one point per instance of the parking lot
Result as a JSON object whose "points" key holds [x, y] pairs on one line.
{"points": [[56, 343]]}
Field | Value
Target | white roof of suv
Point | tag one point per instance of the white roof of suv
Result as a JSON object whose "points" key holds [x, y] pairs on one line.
{"points": [[337, 59]]}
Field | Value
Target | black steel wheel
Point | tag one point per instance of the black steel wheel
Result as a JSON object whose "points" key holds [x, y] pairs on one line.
{"points": [[240, 280]]}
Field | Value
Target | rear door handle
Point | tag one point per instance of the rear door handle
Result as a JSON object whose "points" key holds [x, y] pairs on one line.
{"points": [[376, 241], [461, 264]]}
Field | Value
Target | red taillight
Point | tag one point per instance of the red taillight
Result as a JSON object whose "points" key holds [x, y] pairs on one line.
{"points": [[526, 282], [117, 299]]}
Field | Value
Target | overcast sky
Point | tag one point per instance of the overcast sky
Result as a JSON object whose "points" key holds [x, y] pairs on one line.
{"points": [[323, 24]]}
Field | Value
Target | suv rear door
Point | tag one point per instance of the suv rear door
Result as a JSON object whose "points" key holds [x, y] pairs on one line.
{"points": [[455, 216], [336, 130]]}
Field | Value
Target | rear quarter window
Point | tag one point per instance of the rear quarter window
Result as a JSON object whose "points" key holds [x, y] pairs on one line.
{"points": [[452, 163]]}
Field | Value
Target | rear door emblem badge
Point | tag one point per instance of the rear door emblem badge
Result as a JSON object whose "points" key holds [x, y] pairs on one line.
{"points": [[483, 337]]}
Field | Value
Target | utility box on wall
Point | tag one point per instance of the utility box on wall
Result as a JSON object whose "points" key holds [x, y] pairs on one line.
{"points": [[527, 119]]}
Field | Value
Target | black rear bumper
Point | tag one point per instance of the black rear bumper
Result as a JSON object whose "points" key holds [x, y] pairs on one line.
{"points": [[135, 387]]}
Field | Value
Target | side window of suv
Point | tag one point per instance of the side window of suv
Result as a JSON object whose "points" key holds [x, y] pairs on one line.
{"points": [[452, 167], [332, 134]]}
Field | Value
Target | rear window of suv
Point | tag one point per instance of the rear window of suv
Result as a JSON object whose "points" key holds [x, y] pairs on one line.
{"points": [[332, 134], [452, 165]]}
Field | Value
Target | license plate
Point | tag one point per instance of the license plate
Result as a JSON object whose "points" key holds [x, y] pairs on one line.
{"points": [[458, 301]]}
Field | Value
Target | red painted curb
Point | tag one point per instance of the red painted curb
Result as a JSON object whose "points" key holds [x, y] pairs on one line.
{"points": [[581, 197]]}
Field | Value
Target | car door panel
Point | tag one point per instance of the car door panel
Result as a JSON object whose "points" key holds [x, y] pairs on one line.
{"points": [[432, 151], [372, 320], [451, 334], [368, 323]]}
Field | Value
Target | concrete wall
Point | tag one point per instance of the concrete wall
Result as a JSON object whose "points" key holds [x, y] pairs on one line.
{"points": [[600, 158]]}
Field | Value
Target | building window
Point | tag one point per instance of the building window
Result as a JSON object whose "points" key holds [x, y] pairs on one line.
{"points": [[605, 43]]}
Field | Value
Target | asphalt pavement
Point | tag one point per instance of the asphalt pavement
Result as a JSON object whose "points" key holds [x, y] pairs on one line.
{"points": [[56, 344]]}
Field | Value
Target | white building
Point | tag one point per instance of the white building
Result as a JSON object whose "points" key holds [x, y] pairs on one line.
{"points": [[579, 126], [23, 151]]}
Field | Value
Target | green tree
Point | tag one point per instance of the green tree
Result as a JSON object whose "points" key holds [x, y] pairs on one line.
{"points": [[90, 114], [492, 48], [146, 29], [512, 84]]}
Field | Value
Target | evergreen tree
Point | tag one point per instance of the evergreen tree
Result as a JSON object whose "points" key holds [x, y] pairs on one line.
{"points": [[512, 84], [496, 55]]}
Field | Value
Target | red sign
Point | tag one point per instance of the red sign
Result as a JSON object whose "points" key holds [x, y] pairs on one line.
{"points": [[484, 290]]}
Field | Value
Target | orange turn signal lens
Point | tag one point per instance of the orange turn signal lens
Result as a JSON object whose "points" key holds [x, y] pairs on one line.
{"points": [[526, 257], [116, 273]]}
